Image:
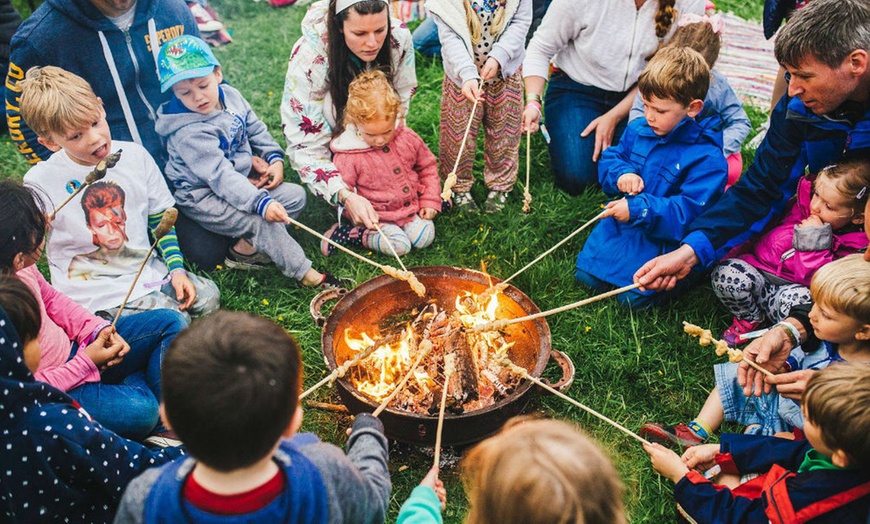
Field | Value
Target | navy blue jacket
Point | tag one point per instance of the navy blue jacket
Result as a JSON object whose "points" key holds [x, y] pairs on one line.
{"points": [[67, 34], [797, 140]]}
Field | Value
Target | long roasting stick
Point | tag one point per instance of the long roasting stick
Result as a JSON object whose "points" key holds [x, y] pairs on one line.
{"points": [[449, 364], [525, 374], [450, 181], [424, 348], [498, 324], [341, 370], [527, 196], [705, 338], [97, 173]]}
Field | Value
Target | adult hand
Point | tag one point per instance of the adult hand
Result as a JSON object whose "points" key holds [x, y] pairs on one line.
{"points": [[185, 291], [106, 348], [471, 89], [489, 69], [531, 119], [791, 385], [663, 272], [275, 174], [770, 352], [630, 183], [811, 221], [701, 457], [617, 209], [360, 210], [427, 213], [276, 213], [666, 462], [431, 479], [604, 127]]}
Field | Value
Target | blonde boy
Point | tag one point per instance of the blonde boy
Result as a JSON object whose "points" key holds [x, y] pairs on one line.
{"points": [[69, 119]]}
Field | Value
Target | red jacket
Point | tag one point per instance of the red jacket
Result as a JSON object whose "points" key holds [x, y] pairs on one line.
{"points": [[398, 179]]}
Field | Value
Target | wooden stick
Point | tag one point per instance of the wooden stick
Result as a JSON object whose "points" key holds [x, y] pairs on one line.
{"points": [[392, 247], [525, 374], [449, 364], [450, 181], [326, 406], [498, 324], [341, 370], [97, 173], [424, 349], [330, 241], [720, 345], [527, 196]]}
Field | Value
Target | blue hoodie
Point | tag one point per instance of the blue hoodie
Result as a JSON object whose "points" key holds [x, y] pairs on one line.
{"points": [[119, 65]]}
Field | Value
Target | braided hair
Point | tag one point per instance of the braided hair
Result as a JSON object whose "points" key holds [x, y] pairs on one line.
{"points": [[665, 17]]}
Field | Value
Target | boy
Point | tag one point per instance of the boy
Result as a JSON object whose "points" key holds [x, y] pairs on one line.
{"points": [[670, 168], [825, 477], [227, 170], [231, 386], [69, 119], [841, 321]]}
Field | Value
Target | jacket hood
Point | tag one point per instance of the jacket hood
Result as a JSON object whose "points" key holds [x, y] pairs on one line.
{"points": [[172, 115], [84, 12], [350, 142]]}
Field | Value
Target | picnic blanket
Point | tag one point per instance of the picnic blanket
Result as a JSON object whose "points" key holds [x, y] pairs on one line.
{"points": [[747, 60]]}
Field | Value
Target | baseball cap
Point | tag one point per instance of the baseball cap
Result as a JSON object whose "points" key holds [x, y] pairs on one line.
{"points": [[182, 58]]}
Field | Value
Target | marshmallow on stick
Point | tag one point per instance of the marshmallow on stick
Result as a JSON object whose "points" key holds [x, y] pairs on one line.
{"points": [[97, 173]]}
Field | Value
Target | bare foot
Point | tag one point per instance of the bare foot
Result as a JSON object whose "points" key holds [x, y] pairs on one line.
{"points": [[312, 278], [243, 247]]}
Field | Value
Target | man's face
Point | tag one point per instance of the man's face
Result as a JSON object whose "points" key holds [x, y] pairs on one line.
{"points": [[113, 8], [821, 88]]}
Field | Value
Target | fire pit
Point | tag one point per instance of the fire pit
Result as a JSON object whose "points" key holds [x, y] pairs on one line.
{"points": [[365, 310]]}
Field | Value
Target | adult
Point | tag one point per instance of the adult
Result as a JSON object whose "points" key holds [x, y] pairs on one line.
{"points": [[109, 44], [598, 50], [825, 49], [339, 39], [9, 22]]}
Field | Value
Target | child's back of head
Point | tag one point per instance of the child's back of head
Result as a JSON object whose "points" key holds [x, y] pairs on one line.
{"points": [[837, 402], [844, 286], [24, 224], [54, 101], [675, 73], [231, 385], [699, 35], [541, 471]]}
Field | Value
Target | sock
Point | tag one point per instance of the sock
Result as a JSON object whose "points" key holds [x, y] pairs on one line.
{"points": [[699, 428]]}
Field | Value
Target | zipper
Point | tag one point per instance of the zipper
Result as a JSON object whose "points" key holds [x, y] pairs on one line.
{"points": [[630, 51], [151, 114]]}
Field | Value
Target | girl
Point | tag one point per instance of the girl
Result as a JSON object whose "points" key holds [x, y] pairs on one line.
{"points": [[387, 164], [533, 471], [482, 42], [59, 464], [703, 34], [117, 382], [765, 277]]}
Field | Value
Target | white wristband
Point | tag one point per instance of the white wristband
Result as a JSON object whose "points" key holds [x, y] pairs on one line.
{"points": [[794, 334]]}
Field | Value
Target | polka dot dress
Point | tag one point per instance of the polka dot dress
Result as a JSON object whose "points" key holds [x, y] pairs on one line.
{"points": [[486, 11]]}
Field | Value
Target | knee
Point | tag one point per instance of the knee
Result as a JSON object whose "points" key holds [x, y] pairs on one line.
{"points": [[589, 281], [424, 235], [168, 321], [638, 301], [292, 196], [400, 242], [572, 174]]}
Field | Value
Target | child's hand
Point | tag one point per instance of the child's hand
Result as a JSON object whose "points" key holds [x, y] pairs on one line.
{"points": [[489, 69], [666, 462], [431, 479], [185, 291], [258, 175], [811, 221], [617, 209], [701, 457], [276, 213], [275, 174], [630, 183], [427, 213], [107, 349], [471, 90]]}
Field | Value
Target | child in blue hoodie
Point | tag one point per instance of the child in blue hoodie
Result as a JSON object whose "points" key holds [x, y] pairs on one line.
{"points": [[670, 169]]}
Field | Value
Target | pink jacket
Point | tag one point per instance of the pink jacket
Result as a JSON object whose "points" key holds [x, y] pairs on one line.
{"points": [[398, 179], [62, 322], [793, 253]]}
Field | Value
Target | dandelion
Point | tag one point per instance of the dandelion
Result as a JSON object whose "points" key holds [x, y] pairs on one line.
{"points": [[265, 302], [588, 329], [661, 373], [219, 267], [280, 318], [270, 93]]}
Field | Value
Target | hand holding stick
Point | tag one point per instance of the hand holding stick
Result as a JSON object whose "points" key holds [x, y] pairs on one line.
{"points": [[424, 348], [449, 366], [97, 173], [527, 196], [165, 225], [450, 181], [705, 338]]}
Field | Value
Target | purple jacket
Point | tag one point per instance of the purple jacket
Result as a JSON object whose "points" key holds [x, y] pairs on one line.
{"points": [[793, 253]]}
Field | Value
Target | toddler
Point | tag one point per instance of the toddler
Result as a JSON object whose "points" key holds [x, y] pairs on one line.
{"points": [[669, 166], [58, 463], [841, 321], [703, 34], [765, 277], [231, 392], [532, 472], [227, 170], [390, 165], [482, 47], [113, 215]]}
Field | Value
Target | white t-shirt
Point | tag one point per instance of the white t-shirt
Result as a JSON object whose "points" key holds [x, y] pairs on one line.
{"points": [[93, 259]]}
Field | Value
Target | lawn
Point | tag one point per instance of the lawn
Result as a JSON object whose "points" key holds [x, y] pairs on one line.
{"points": [[632, 367]]}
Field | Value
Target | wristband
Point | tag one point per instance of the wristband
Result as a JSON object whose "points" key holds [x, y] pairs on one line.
{"points": [[536, 106], [534, 97], [792, 332]]}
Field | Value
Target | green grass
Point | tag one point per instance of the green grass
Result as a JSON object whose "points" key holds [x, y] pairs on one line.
{"points": [[632, 367]]}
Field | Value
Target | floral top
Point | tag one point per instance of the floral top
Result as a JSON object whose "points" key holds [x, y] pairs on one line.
{"points": [[307, 113]]}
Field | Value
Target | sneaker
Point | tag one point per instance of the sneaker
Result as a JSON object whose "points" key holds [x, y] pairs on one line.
{"points": [[331, 281], [495, 202], [739, 327], [236, 260], [204, 21], [163, 439], [681, 435], [347, 235], [464, 202]]}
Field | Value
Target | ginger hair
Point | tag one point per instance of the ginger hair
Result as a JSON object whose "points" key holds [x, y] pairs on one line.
{"points": [[665, 17], [675, 73], [844, 286], [371, 97], [541, 471], [55, 101], [474, 27]]}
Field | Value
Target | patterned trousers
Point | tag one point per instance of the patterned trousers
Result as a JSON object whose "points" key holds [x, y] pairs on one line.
{"points": [[501, 113], [745, 291]]}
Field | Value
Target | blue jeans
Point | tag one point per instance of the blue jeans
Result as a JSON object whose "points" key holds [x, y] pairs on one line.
{"points": [[127, 398], [426, 39], [570, 107], [634, 298]]}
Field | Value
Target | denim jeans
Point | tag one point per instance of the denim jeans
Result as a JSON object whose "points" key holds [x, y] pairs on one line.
{"points": [[126, 400], [634, 298], [426, 39], [570, 107]]}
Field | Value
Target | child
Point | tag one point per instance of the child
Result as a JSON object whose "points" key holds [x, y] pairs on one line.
{"points": [[841, 321], [533, 471], [766, 277], [482, 41], [390, 165], [212, 135], [703, 34], [669, 166], [231, 392], [58, 464], [825, 478], [114, 374]]}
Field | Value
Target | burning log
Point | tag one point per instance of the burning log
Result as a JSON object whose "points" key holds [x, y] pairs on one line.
{"points": [[463, 385]]}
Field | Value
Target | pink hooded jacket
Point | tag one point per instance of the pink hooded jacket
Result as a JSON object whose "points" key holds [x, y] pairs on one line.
{"points": [[793, 253], [398, 179]]}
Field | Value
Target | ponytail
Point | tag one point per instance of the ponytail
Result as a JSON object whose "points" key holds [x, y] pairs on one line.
{"points": [[665, 17]]}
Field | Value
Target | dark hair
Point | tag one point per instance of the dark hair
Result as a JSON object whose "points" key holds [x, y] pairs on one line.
{"points": [[21, 307], [829, 30], [665, 17], [341, 69], [231, 384], [701, 37], [23, 217]]}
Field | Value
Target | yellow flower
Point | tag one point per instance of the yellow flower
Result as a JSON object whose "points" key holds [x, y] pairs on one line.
{"points": [[280, 317], [270, 93], [661, 373], [265, 302], [588, 329], [219, 267]]}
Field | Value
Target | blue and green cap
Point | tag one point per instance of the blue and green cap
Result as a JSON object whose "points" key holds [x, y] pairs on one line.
{"points": [[182, 58]]}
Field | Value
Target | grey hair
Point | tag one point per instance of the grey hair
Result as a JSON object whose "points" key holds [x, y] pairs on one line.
{"points": [[828, 30]]}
